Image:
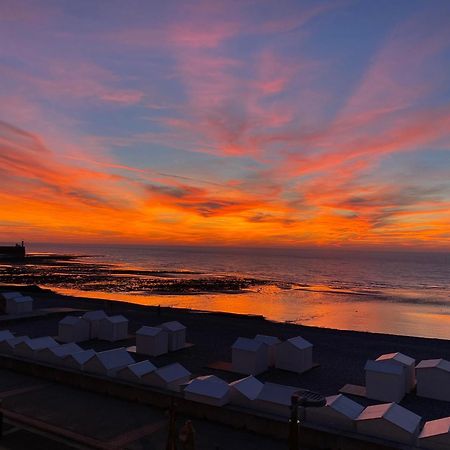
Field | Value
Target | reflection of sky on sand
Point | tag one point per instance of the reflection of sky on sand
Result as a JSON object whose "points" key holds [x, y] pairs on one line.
{"points": [[320, 309]]}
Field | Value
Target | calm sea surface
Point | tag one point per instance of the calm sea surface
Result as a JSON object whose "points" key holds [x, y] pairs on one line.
{"points": [[398, 293]]}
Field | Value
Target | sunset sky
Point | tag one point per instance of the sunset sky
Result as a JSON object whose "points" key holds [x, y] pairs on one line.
{"points": [[266, 123]]}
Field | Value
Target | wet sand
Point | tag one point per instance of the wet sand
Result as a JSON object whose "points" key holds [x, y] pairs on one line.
{"points": [[341, 354]]}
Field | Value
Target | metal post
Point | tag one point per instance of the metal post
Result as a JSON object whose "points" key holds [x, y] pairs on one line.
{"points": [[293, 424]]}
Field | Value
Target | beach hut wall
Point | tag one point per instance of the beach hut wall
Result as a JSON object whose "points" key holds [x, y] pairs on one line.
{"points": [[78, 360], [8, 346], [385, 381], [114, 328], [340, 412], [55, 355], [295, 355], [275, 399], [433, 379], [407, 362], [152, 341], [171, 377], [389, 421], [249, 356], [176, 332], [109, 362], [245, 391], [272, 343], [94, 318], [435, 434], [30, 348], [135, 372], [19, 305], [208, 389], [73, 329]]}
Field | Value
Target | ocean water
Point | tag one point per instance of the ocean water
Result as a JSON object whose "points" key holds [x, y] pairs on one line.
{"points": [[404, 293]]}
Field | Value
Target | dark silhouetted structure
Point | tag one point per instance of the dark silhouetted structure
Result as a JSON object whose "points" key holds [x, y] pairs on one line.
{"points": [[13, 251]]}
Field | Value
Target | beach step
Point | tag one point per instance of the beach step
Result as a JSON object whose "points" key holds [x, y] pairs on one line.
{"points": [[354, 389]]}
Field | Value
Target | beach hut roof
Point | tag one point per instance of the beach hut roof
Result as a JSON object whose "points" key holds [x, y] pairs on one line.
{"points": [[83, 356], [172, 372], [173, 326], [115, 358], [149, 331], [385, 367], [249, 345], [269, 340], [441, 364], [300, 342], [399, 357], [142, 368], [435, 428], [277, 393], [209, 386], [394, 413], [116, 319], [69, 320], [41, 343], [5, 335], [248, 386], [21, 299], [345, 406], [66, 349], [17, 340], [12, 294], [95, 315]]}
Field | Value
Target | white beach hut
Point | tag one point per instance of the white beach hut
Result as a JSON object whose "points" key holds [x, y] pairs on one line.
{"points": [[389, 421], [77, 360], [19, 305], [170, 377], [151, 341], [340, 412], [136, 372], [294, 355], [407, 362], [8, 346], [275, 399], [56, 355], [208, 389], [73, 329], [109, 362], [5, 335], [433, 379], [245, 391], [272, 343], [114, 328], [385, 381], [435, 434], [94, 318], [31, 348], [249, 356], [176, 335]]}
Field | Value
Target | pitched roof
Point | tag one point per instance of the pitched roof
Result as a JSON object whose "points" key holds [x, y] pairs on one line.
{"points": [[249, 386], [95, 315], [117, 357], [299, 342], [344, 405], [435, 428], [398, 357], [141, 368], [66, 349], [17, 340], [70, 320], [9, 295], [246, 344], [277, 393], [441, 364], [173, 326], [172, 372], [385, 367], [5, 335], [41, 342], [116, 319], [209, 386], [22, 299], [82, 357], [393, 413], [149, 331], [269, 340]]}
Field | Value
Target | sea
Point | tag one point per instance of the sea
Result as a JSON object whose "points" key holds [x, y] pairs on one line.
{"points": [[403, 293]]}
